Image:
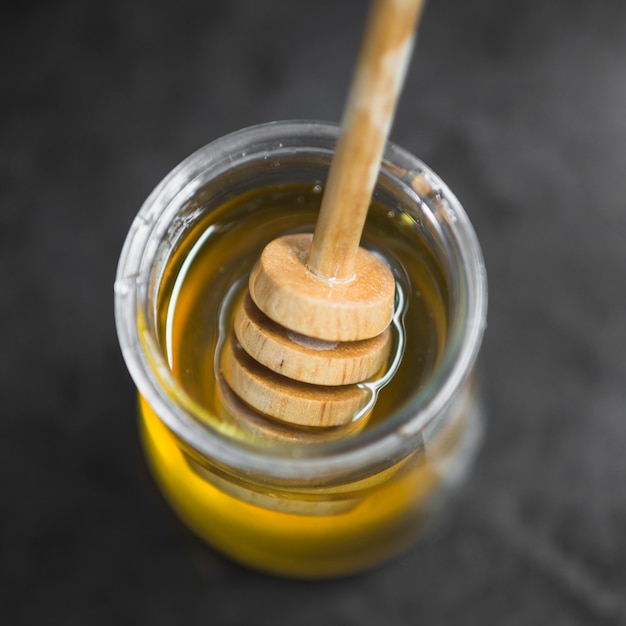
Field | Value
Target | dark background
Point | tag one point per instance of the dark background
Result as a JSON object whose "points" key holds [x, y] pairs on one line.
{"points": [[520, 106]]}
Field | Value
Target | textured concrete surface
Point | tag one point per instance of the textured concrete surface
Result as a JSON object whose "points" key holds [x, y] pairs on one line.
{"points": [[518, 106]]}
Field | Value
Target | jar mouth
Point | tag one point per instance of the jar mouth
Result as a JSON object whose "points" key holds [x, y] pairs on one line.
{"points": [[138, 275]]}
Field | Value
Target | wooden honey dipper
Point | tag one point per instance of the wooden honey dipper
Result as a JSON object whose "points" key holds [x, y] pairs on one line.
{"points": [[316, 318]]}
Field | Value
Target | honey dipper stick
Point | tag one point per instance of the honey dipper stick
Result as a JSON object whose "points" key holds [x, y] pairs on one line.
{"points": [[325, 286]]}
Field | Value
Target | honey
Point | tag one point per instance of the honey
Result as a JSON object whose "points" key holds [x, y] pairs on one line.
{"points": [[308, 534], [313, 532]]}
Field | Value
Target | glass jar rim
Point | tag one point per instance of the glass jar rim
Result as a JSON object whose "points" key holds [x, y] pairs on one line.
{"points": [[392, 439]]}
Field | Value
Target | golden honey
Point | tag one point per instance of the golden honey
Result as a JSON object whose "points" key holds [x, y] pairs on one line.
{"points": [[307, 532]]}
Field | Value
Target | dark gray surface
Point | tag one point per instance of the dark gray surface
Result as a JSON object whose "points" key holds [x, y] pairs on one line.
{"points": [[520, 107]]}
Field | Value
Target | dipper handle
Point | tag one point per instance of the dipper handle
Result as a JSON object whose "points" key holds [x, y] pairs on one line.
{"points": [[377, 81]]}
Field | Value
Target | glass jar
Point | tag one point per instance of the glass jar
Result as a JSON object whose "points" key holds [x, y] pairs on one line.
{"points": [[298, 505]]}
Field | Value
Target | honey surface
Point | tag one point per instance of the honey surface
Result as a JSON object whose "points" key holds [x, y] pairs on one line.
{"points": [[209, 272]]}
